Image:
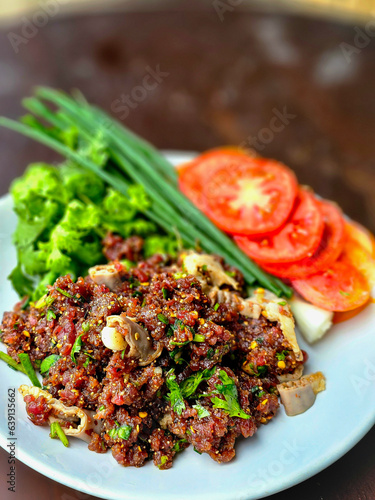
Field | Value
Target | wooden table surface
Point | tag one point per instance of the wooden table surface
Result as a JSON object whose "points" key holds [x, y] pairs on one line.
{"points": [[219, 81]]}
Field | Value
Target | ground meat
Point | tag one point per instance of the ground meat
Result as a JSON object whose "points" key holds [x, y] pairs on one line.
{"points": [[38, 409], [115, 248], [146, 414]]}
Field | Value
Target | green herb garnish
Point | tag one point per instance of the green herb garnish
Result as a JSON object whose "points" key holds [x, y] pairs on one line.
{"points": [[11, 363], [177, 445], [76, 348], [86, 327], [175, 394], [210, 353], [56, 431], [29, 369], [48, 362], [50, 315], [64, 292], [190, 385], [163, 319], [199, 338], [281, 355], [257, 391], [230, 402], [121, 432], [201, 410]]}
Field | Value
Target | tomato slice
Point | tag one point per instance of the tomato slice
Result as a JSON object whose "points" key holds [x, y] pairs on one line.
{"points": [[191, 174], [298, 239], [361, 235], [250, 196], [340, 317], [340, 288], [361, 259], [329, 249]]}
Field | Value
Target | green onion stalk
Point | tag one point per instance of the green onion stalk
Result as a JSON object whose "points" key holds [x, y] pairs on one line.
{"points": [[133, 160]]}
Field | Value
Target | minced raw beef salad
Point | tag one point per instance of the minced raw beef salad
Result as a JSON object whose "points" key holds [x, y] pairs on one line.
{"points": [[146, 357]]}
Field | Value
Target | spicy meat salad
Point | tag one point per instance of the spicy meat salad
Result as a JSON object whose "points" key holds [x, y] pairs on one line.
{"points": [[150, 356]]}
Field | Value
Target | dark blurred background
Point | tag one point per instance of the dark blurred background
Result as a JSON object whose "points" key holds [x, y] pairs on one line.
{"points": [[295, 81]]}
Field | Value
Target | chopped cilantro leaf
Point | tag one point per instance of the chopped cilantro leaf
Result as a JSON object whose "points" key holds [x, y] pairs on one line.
{"points": [[190, 385], [201, 410], [175, 394], [230, 402]]}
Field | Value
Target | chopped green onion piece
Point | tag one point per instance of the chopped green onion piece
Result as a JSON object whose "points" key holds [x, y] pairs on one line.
{"points": [[163, 461], [53, 430], [10, 361], [210, 353], [63, 292], [165, 293], [45, 301], [216, 306], [56, 430], [163, 319], [86, 327], [199, 338], [50, 315], [281, 355], [179, 275], [29, 369], [101, 408], [76, 348]]}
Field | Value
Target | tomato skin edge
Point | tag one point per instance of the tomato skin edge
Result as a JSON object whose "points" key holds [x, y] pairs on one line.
{"points": [[329, 250], [323, 291], [253, 246]]}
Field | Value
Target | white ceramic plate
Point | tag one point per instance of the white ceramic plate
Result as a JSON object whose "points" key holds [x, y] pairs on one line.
{"points": [[280, 455]]}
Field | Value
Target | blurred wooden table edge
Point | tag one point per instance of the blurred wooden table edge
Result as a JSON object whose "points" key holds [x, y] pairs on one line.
{"points": [[359, 11]]}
